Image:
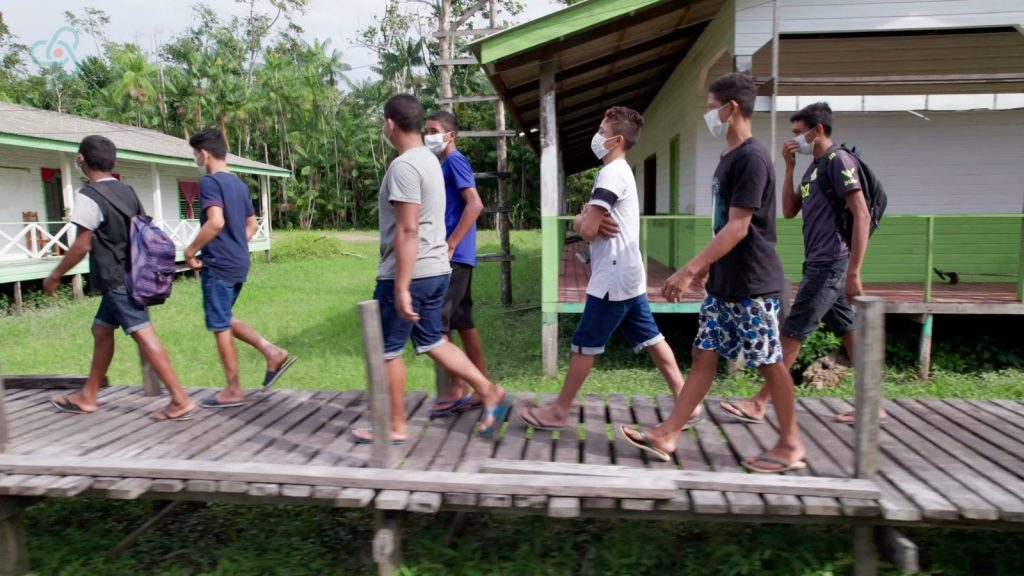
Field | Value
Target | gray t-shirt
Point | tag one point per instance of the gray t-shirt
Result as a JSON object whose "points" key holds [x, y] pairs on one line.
{"points": [[414, 178]]}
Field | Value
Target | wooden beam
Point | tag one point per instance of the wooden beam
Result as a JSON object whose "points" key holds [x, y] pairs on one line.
{"points": [[901, 552], [701, 480], [377, 383], [465, 99], [4, 432], [468, 32], [48, 381], [456, 61], [19, 307], [487, 133], [910, 79], [375, 478]]}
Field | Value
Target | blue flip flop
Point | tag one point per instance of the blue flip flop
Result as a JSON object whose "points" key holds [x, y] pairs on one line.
{"points": [[273, 376], [454, 406], [499, 412]]}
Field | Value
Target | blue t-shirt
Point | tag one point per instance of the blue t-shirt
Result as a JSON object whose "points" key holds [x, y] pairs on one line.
{"points": [[226, 256], [458, 175]]}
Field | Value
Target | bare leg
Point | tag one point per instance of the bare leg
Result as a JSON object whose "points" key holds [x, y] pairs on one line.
{"points": [[664, 436], [756, 406], [555, 414], [102, 355], [789, 448], [850, 343], [395, 369], [455, 361], [229, 358], [275, 356], [157, 356]]}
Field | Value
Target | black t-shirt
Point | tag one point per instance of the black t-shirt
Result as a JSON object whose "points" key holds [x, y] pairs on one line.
{"points": [[745, 178], [826, 182]]}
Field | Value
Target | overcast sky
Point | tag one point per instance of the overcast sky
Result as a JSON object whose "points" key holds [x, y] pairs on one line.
{"points": [[152, 22]]}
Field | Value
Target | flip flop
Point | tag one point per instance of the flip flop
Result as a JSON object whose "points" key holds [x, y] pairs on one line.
{"points": [[362, 440], [67, 406], [850, 418], [645, 445], [527, 416], [740, 413], [499, 412], [694, 420], [471, 405], [212, 402], [454, 406], [273, 376], [798, 465], [179, 418]]}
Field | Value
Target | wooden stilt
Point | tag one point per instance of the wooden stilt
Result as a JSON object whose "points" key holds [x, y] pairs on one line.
{"points": [[18, 304], [924, 352], [150, 379], [899, 550], [865, 551], [76, 287], [387, 542], [869, 364], [4, 438], [266, 256], [13, 547], [377, 382]]}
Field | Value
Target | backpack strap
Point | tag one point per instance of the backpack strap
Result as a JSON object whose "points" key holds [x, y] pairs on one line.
{"points": [[108, 194]]}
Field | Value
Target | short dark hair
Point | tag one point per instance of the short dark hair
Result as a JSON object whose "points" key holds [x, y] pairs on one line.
{"points": [[446, 119], [738, 87], [210, 140], [406, 112], [99, 152], [625, 122], [814, 114]]}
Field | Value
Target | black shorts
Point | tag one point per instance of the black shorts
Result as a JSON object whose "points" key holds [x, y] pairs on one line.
{"points": [[457, 313], [821, 298]]}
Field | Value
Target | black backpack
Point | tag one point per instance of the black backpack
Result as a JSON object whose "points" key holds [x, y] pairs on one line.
{"points": [[874, 195]]}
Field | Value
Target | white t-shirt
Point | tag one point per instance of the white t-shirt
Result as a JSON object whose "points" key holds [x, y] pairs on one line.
{"points": [[617, 269], [86, 212]]}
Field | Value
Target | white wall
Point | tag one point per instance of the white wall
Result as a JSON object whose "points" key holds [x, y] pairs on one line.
{"points": [[21, 191], [954, 163]]}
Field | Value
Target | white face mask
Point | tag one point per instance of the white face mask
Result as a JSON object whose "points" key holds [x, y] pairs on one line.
{"points": [[385, 135], [200, 165], [802, 145], [597, 145], [715, 124], [436, 143]]}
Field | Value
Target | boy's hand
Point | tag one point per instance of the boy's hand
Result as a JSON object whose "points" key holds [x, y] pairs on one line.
{"points": [[690, 277], [451, 250], [50, 286], [403, 305], [609, 227], [789, 152], [191, 260], [854, 287]]}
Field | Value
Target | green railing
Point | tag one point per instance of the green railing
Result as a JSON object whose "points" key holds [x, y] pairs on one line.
{"points": [[905, 249]]}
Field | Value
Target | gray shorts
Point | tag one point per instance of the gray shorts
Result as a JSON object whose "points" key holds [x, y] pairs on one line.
{"points": [[821, 298]]}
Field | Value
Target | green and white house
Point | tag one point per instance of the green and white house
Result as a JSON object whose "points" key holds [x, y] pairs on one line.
{"points": [[930, 92], [38, 181]]}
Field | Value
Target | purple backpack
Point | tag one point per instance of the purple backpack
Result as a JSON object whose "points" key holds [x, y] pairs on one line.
{"points": [[152, 254]]}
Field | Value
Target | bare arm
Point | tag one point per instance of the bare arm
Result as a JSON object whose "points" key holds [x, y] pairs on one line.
{"points": [[214, 224], [692, 275], [79, 248], [858, 243], [474, 208], [251, 227], [407, 237]]}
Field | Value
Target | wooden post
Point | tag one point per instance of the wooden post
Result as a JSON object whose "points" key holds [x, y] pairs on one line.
{"points": [[901, 552], [869, 366], [443, 382], [924, 351], [550, 208], [13, 549], [929, 258], [150, 379], [19, 308], [3, 418], [76, 287], [1020, 265]]}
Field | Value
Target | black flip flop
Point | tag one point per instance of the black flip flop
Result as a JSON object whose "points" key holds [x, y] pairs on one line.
{"points": [[183, 417], [786, 467], [212, 402], [67, 406], [273, 376], [740, 413], [535, 423]]}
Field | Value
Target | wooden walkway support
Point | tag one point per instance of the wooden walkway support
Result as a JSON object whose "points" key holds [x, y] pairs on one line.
{"points": [[869, 365]]}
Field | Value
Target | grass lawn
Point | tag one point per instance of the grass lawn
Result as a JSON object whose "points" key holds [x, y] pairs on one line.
{"points": [[305, 300]]}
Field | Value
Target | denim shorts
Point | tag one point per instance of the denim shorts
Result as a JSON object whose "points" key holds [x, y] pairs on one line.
{"points": [[117, 309], [601, 318], [427, 300], [749, 327], [821, 298], [219, 297]]}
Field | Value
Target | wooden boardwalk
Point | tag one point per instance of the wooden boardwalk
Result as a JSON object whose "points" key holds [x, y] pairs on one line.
{"points": [[900, 297], [943, 462]]}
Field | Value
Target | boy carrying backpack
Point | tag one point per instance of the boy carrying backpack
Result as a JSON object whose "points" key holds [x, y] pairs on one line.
{"points": [[103, 211]]}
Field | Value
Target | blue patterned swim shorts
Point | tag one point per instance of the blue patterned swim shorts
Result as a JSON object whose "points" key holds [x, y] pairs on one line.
{"points": [[749, 327]]}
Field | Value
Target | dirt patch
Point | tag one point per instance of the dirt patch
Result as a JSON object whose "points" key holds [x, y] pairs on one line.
{"points": [[827, 372]]}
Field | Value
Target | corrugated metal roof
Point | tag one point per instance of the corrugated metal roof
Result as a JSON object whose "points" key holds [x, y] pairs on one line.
{"points": [[52, 130]]}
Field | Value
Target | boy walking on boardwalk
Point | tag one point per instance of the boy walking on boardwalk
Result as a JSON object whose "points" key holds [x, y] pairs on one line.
{"points": [[462, 209], [228, 223], [617, 291], [103, 234], [413, 275], [744, 282]]}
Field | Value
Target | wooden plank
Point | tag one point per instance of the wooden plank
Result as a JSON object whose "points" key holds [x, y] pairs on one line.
{"points": [[894, 505], [766, 436], [129, 488], [567, 451], [723, 460], [354, 497], [477, 449], [264, 489], [646, 414], [619, 413], [48, 381], [1004, 503], [232, 487], [562, 507], [44, 419], [933, 505], [466, 32], [272, 429], [392, 500], [596, 447], [376, 380], [69, 486], [980, 424], [326, 492], [690, 457], [8, 482], [742, 441], [249, 437], [486, 133], [426, 438], [34, 485], [381, 479], [539, 447], [467, 61], [167, 486], [1012, 421], [425, 502], [312, 434], [473, 98], [511, 446]]}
